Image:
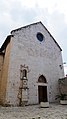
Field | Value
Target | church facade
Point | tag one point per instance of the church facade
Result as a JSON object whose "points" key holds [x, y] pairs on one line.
{"points": [[30, 66]]}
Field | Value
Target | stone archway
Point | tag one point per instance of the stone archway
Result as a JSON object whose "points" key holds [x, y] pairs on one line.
{"points": [[42, 89]]}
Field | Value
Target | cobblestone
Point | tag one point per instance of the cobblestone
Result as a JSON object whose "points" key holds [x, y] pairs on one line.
{"points": [[55, 111]]}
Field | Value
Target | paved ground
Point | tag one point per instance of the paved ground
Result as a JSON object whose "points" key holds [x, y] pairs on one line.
{"points": [[55, 111]]}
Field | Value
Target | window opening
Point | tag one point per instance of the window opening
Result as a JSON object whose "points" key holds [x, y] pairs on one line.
{"points": [[42, 79], [24, 73], [40, 36]]}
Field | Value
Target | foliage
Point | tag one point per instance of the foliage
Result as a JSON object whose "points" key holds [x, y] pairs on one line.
{"points": [[61, 96]]}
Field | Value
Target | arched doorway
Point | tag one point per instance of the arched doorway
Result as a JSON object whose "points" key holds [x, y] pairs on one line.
{"points": [[42, 89]]}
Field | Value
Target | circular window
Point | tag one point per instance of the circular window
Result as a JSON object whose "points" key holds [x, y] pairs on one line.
{"points": [[40, 36]]}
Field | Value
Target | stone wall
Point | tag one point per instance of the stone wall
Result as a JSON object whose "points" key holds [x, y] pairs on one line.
{"points": [[63, 85]]}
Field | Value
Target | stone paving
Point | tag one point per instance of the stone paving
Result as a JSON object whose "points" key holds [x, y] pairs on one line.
{"points": [[55, 111]]}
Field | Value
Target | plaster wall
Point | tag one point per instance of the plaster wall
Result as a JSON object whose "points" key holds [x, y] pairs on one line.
{"points": [[1, 66], [4, 74]]}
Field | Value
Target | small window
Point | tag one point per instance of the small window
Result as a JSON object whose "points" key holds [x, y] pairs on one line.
{"points": [[40, 36], [24, 73]]}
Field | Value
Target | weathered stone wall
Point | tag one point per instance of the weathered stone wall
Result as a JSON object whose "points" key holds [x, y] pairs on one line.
{"points": [[42, 58], [63, 85]]}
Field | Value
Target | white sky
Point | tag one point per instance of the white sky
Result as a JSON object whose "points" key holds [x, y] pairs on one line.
{"points": [[52, 13]]}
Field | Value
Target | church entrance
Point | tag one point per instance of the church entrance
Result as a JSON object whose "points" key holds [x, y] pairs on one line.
{"points": [[42, 89]]}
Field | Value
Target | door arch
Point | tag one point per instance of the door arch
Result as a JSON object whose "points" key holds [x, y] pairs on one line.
{"points": [[42, 89]]}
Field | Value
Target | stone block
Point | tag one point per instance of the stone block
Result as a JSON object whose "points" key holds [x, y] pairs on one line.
{"points": [[44, 104]]}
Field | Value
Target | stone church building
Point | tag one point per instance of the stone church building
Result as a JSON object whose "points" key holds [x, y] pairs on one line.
{"points": [[30, 66]]}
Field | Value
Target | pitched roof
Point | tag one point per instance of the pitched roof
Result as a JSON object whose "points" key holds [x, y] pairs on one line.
{"points": [[43, 26], [4, 45]]}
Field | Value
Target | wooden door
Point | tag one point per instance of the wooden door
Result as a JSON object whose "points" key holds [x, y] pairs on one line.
{"points": [[42, 92]]}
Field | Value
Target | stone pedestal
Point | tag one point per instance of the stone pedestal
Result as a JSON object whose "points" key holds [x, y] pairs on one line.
{"points": [[44, 104], [63, 102]]}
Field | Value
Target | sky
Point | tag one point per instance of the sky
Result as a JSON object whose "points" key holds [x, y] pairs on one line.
{"points": [[52, 13]]}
